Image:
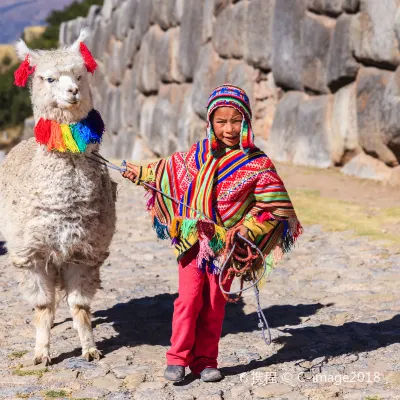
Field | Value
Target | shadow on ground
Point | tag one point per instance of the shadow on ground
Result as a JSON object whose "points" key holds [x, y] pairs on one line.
{"points": [[327, 341], [147, 320]]}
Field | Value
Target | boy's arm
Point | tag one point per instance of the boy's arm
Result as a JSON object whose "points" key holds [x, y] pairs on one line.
{"points": [[256, 228], [138, 174], [270, 194]]}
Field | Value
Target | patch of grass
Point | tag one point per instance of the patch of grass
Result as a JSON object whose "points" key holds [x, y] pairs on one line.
{"points": [[372, 398], [337, 215], [17, 354], [54, 394], [38, 372], [23, 395], [85, 398]]}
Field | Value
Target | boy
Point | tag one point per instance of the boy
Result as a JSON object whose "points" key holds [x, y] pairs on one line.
{"points": [[223, 182]]}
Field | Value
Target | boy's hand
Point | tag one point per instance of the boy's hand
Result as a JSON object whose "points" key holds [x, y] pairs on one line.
{"points": [[132, 172], [241, 247]]}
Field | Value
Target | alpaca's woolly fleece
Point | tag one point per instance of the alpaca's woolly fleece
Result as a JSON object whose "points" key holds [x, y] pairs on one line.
{"points": [[55, 207]]}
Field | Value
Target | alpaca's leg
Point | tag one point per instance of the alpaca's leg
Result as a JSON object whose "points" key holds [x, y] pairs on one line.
{"points": [[80, 283], [38, 286]]}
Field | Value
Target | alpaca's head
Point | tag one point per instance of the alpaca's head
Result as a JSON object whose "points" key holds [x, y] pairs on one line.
{"points": [[60, 84]]}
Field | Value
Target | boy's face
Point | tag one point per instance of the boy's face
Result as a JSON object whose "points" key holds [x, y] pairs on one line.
{"points": [[227, 125]]}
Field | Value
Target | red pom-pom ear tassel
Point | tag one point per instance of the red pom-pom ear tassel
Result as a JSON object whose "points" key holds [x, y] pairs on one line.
{"points": [[22, 73], [88, 59]]}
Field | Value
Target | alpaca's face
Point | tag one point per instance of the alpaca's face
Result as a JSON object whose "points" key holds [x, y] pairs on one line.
{"points": [[60, 85], [60, 88]]}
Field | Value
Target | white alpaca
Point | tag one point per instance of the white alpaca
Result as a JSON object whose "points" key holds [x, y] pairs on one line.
{"points": [[57, 209]]}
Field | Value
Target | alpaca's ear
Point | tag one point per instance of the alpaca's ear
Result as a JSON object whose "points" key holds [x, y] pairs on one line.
{"points": [[27, 67], [23, 51], [83, 35], [78, 45]]}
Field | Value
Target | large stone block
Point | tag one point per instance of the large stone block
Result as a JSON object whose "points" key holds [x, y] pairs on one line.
{"points": [[367, 167], [258, 49], [373, 96], [124, 142], [162, 12], [262, 125], [143, 17], [220, 5], [342, 66], [344, 123], [242, 75], [230, 31], [221, 37], [314, 135], [129, 47], [73, 29], [394, 179], [212, 71], [130, 11], [316, 38], [191, 128], [101, 38], [351, 6], [282, 139], [28, 131], [116, 66], [94, 11], [123, 19], [131, 110], [287, 47], [131, 100], [108, 8], [206, 77], [390, 115], [162, 136], [190, 40], [141, 152], [176, 11], [378, 42], [328, 7], [168, 56], [146, 117], [208, 20], [62, 36], [148, 79], [113, 114], [301, 132]]}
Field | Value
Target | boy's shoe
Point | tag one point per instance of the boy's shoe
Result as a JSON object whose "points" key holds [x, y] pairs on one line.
{"points": [[174, 373], [211, 375]]}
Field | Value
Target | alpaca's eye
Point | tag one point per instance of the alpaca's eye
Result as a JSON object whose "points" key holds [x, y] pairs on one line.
{"points": [[50, 80], [79, 77]]}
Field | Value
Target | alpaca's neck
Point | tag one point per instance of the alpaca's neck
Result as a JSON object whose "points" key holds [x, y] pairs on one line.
{"points": [[63, 115]]}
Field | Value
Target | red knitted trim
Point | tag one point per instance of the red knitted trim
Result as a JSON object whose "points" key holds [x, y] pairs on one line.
{"points": [[88, 59], [43, 131], [22, 73]]}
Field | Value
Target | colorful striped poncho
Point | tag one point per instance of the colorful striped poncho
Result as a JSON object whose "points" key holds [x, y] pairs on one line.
{"points": [[235, 188], [221, 188]]}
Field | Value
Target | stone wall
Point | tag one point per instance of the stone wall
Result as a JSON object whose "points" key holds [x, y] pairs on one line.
{"points": [[323, 76]]}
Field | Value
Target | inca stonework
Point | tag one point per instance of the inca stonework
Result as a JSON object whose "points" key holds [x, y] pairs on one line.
{"points": [[323, 76]]}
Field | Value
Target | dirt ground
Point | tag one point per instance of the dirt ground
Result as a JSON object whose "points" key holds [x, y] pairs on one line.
{"points": [[332, 305]]}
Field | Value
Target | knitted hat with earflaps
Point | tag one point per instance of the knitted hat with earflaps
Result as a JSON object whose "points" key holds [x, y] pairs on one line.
{"points": [[228, 95]]}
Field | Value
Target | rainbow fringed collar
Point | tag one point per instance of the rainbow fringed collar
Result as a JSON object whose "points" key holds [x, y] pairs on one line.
{"points": [[70, 137]]}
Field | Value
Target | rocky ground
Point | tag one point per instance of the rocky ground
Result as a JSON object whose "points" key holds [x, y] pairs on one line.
{"points": [[332, 306]]}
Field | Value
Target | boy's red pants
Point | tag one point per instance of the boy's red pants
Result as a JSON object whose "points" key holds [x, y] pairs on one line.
{"points": [[198, 315]]}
